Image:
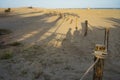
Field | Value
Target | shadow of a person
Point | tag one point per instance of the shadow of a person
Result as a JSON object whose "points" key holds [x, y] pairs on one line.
{"points": [[76, 35], [83, 28], [67, 41], [69, 35]]}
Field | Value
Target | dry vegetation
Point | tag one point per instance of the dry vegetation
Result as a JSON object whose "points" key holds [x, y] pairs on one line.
{"points": [[49, 44]]}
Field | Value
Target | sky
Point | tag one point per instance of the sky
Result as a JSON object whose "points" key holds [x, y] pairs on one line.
{"points": [[61, 3]]}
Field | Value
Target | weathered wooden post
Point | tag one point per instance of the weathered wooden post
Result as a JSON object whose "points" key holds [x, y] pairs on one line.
{"points": [[99, 66], [86, 27], [105, 37], [98, 69], [106, 40], [76, 22]]}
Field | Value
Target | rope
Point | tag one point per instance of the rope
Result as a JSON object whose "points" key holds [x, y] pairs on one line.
{"points": [[89, 69]]}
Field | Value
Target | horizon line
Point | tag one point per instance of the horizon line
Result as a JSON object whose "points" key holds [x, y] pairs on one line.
{"points": [[65, 7]]}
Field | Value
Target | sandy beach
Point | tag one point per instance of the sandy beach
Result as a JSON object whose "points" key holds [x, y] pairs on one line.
{"points": [[53, 45]]}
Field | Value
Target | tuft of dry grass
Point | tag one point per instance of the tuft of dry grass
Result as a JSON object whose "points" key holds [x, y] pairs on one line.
{"points": [[5, 31], [6, 55], [7, 10], [15, 44], [37, 75]]}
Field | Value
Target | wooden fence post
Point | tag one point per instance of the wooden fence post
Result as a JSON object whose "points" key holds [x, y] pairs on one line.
{"points": [[86, 28], [98, 68], [107, 38], [76, 21]]}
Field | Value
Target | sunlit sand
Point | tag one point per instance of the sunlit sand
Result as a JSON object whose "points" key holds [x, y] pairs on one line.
{"points": [[53, 43]]}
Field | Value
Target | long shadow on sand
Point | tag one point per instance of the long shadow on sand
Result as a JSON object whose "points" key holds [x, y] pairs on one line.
{"points": [[22, 26]]}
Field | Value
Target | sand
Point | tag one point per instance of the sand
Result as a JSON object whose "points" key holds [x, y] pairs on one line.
{"points": [[52, 48]]}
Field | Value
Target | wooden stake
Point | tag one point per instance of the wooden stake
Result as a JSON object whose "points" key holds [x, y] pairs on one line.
{"points": [[76, 21], [107, 38], [86, 27], [98, 68]]}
